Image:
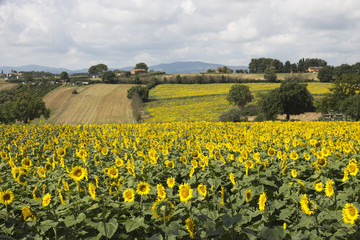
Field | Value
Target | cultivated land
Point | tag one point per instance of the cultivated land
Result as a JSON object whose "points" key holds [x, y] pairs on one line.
{"points": [[98, 103], [4, 86], [205, 102]]}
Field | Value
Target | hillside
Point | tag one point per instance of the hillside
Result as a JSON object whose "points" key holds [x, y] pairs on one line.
{"points": [[98, 103]]}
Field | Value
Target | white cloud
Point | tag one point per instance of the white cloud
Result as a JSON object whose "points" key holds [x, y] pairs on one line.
{"points": [[76, 33]]}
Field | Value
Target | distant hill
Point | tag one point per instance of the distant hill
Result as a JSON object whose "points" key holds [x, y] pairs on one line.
{"points": [[38, 68], [190, 67], [170, 68]]}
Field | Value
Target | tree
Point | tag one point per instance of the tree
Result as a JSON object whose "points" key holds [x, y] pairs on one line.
{"points": [[24, 107], [108, 77], [294, 98], [239, 95], [350, 106], [97, 69], [326, 74], [270, 74], [287, 67], [141, 66], [64, 76], [270, 103]]}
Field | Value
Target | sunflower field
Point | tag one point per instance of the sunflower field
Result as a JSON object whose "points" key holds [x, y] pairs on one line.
{"points": [[181, 180]]}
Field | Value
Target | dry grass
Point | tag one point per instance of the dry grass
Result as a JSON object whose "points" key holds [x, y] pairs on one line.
{"points": [[4, 86], [98, 103]]}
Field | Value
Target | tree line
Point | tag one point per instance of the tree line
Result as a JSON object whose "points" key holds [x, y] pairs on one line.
{"points": [[260, 65]]}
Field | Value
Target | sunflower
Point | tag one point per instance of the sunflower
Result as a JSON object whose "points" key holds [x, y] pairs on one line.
{"points": [[41, 171], [185, 192], [329, 188], [46, 200], [119, 162], [194, 163], [78, 173], [190, 226], [129, 195], [113, 172], [104, 150], [248, 195], [293, 173], [322, 162], [304, 202], [350, 213], [318, 185], [307, 156], [222, 203], [113, 189], [26, 162], [271, 152], [248, 164], [352, 168], [36, 194], [161, 194], [6, 197], [169, 164], [143, 188], [61, 152], [194, 154], [3, 155], [66, 186], [92, 190], [293, 155], [27, 214], [202, 190], [162, 208], [262, 201], [170, 182], [232, 178], [183, 160], [61, 196]]}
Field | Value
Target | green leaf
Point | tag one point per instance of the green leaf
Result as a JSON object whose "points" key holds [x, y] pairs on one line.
{"points": [[156, 236], [285, 214], [272, 233], [108, 229], [172, 229], [228, 221], [132, 224]]}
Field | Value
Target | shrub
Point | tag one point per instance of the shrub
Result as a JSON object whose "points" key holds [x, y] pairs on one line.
{"points": [[233, 115], [143, 92]]}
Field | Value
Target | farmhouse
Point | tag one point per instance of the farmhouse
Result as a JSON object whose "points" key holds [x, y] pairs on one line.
{"points": [[137, 71], [314, 69]]}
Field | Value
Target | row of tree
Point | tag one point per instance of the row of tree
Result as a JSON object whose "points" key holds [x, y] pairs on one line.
{"points": [[260, 65]]}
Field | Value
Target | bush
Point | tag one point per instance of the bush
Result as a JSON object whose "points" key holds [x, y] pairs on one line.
{"points": [[74, 91], [233, 115], [143, 93], [260, 117]]}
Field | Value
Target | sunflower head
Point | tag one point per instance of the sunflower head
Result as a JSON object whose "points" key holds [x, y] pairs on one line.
{"points": [[61, 152], [350, 213], [129, 195], [162, 208], [190, 226], [248, 195], [185, 192], [170, 182], [202, 190], [46, 200], [6, 197], [78, 173], [322, 162], [143, 188], [262, 201]]}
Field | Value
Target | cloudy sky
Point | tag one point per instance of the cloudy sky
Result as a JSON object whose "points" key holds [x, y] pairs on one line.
{"points": [[79, 33]]}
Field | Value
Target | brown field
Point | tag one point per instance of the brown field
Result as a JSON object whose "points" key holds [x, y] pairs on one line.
{"points": [[309, 116], [98, 103], [4, 86]]}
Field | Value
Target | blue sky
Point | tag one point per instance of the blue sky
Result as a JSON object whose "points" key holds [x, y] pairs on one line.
{"points": [[79, 33]]}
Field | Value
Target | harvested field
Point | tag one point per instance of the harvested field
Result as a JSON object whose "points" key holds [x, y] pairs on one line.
{"points": [[100, 103], [4, 86]]}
